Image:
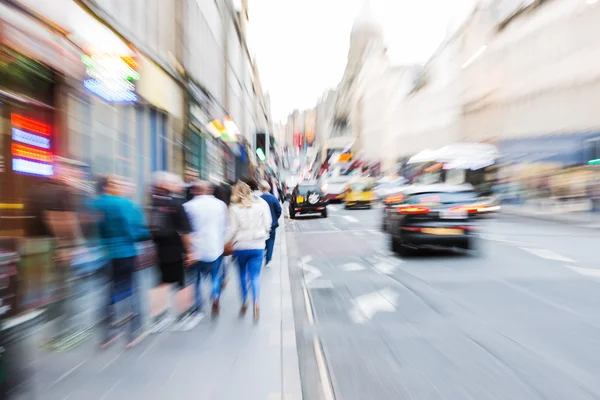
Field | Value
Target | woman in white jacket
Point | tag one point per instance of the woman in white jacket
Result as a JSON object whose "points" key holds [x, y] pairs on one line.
{"points": [[249, 226]]}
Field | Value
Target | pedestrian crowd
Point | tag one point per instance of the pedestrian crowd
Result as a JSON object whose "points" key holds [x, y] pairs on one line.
{"points": [[197, 229]]}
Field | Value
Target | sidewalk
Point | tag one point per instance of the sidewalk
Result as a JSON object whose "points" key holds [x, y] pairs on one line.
{"points": [[225, 359], [565, 215]]}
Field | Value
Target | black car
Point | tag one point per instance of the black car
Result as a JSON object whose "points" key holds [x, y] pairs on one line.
{"points": [[308, 198], [433, 215]]}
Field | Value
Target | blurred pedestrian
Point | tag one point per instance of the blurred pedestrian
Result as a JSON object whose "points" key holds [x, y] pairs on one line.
{"points": [[249, 226], [170, 228], [275, 209], [208, 218], [60, 209], [223, 192], [190, 176], [120, 226]]}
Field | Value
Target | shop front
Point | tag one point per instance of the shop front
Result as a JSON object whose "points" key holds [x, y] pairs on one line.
{"points": [[547, 167]]}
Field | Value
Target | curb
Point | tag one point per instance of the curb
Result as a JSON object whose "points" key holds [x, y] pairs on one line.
{"points": [[291, 384], [548, 218]]}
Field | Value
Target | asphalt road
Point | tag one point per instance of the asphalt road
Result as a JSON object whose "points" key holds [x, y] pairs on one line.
{"points": [[519, 320]]}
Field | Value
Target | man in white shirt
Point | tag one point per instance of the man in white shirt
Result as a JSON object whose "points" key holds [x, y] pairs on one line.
{"points": [[208, 217]]}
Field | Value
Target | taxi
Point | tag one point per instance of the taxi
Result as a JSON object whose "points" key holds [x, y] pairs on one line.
{"points": [[360, 193]]}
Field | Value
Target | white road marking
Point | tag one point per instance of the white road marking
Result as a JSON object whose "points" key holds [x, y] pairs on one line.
{"points": [[547, 254], [384, 268], [585, 271], [367, 305], [350, 218], [323, 371], [308, 306], [332, 208], [313, 273], [351, 267], [389, 259]]}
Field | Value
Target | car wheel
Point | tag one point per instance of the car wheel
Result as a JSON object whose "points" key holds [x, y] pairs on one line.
{"points": [[400, 249], [292, 214], [472, 246], [324, 214]]}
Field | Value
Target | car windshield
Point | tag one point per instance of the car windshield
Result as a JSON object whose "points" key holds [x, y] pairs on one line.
{"points": [[305, 189], [443, 197]]}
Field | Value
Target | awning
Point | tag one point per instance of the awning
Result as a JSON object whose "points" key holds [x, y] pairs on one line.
{"points": [[567, 149]]}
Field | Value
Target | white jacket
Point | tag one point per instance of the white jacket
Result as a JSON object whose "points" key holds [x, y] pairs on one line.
{"points": [[249, 227]]}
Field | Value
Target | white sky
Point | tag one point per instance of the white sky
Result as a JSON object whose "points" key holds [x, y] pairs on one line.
{"points": [[301, 45]]}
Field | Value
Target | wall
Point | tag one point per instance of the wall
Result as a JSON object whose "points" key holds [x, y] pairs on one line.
{"points": [[545, 79]]}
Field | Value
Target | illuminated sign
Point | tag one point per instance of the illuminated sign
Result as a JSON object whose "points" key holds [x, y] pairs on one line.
{"points": [[31, 167], [31, 152], [19, 150], [111, 76], [345, 157], [29, 125], [29, 138]]}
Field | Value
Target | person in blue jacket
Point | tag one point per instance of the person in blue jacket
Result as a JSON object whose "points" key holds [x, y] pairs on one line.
{"points": [[121, 226], [275, 208]]}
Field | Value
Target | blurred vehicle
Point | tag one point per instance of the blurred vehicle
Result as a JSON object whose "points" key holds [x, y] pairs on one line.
{"points": [[334, 187], [308, 198], [360, 193], [435, 215], [384, 188]]}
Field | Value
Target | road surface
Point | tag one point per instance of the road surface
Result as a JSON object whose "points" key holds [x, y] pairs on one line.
{"points": [[518, 320]]}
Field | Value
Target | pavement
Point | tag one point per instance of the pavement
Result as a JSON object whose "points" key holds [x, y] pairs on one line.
{"points": [[223, 359], [580, 216], [517, 320]]}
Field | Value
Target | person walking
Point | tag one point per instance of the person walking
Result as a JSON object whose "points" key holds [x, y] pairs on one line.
{"points": [[249, 226], [190, 176], [120, 228], [275, 209], [208, 218], [223, 192], [170, 228]]}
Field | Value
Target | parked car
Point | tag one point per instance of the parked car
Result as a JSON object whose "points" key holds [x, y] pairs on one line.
{"points": [[308, 198]]}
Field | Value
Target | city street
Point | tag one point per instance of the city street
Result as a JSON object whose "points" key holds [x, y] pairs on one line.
{"points": [[517, 320]]}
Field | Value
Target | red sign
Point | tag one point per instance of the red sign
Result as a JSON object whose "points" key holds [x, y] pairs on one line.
{"points": [[29, 125]]}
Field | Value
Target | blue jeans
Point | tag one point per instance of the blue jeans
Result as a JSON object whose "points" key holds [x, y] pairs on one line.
{"points": [[210, 269], [270, 245], [249, 265], [121, 286]]}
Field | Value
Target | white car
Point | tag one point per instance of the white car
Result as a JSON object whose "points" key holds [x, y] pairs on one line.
{"points": [[334, 188]]}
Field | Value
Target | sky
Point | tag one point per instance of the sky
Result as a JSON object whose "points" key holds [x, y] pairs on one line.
{"points": [[301, 46]]}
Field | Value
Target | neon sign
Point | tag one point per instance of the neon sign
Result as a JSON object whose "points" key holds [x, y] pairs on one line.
{"points": [[111, 76], [29, 138], [23, 151], [32, 167], [31, 152], [30, 125]]}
